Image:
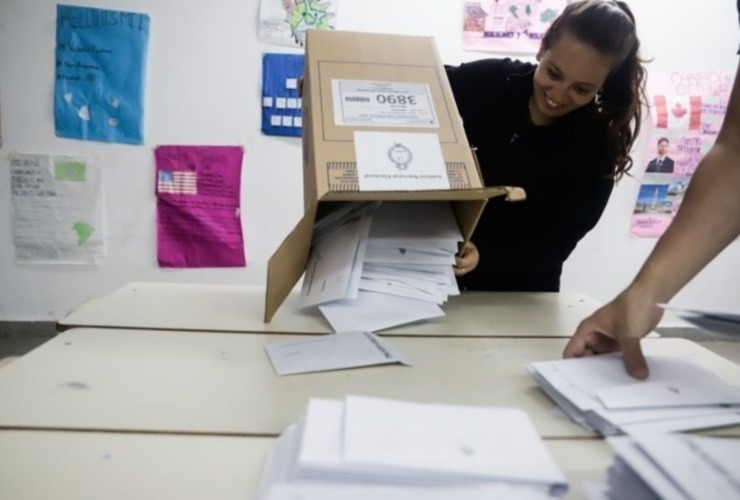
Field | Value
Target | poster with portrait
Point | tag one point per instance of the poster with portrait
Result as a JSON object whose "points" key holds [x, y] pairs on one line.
{"points": [[508, 26], [686, 111]]}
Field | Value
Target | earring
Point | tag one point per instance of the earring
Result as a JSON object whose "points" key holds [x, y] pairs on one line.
{"points": [[599, 101]]}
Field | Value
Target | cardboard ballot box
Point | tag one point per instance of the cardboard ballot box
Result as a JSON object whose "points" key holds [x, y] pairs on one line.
{"points": [[377, 111]]}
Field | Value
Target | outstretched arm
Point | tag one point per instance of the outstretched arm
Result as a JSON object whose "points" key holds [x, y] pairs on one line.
{"points": [[708, 220]]}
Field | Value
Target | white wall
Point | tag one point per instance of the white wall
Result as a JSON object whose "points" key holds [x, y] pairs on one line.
{"points": [[203, 87]]}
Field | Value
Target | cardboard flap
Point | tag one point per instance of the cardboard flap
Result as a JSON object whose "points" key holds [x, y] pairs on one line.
{"points": [[441, 195], [468, 211], [287, 264]]}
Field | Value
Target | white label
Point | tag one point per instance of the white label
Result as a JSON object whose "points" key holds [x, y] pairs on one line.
{"points": [[383, 104]]}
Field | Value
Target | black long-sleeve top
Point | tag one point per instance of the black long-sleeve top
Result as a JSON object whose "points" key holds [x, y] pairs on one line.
{"points": [[563, 168]]}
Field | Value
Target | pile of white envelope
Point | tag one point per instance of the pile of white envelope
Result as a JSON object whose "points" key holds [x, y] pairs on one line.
{"points": [[365, 447], [724, 324], [377, 265], [598, 393], [672, 466]]}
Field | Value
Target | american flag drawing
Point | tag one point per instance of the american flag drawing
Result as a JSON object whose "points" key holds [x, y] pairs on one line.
{"points": [[177, 182]]}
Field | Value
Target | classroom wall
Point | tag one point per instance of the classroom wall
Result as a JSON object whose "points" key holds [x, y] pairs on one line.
{"points": [[203, 87]]}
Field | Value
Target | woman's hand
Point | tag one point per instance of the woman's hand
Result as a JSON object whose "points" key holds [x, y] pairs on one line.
{"points": [[466, 260]]}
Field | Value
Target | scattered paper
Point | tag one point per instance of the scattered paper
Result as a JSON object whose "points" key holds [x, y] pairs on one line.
{"points": [[659, 465], [333, 352], [598, 393]]}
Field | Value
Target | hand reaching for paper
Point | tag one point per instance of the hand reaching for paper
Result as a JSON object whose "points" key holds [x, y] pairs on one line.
{"points": [[619, 325]]}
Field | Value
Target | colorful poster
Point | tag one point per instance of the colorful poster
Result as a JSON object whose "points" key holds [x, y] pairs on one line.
{"points": [[508, 26], [687, 109], [57, 210], [284, 22], [100, 62], [198, 206], [281, 104]]}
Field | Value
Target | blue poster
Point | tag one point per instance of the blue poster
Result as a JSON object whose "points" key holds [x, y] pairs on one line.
{"points": [[100, 62], [281, 104]]}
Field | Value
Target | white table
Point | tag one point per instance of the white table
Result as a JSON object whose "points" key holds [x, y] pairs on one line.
{"points": [[92, 465], [230, 308], [218, 383]]}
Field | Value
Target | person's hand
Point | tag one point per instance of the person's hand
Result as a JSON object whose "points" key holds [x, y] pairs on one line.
{"points": [[466, 260], [619, 325]]}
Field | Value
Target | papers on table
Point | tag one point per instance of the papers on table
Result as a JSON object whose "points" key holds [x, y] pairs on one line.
{"points": [[674, 466], [721, 323], [344, 449], [598, 393], [377, 265], [377, 311], [332, 352]]}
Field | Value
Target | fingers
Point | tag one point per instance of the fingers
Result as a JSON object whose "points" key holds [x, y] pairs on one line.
{"points": [[589, 344], [466, 260], [597, 334], [634, 360]]}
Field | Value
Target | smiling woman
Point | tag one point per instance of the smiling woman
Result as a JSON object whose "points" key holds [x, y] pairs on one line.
{"points": [[562, 130]]}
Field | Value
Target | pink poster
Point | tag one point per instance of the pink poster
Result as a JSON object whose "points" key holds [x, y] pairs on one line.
{"points": [[198, 206], [687, 109], [508, 26]]}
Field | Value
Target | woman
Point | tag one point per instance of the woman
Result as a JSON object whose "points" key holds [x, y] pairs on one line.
{"points": [[562, 130]]}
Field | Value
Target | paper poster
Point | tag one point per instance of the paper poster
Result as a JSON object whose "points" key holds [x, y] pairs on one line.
{"points": [[57, 210], [284, 22], [100, 63], [687, 109], [281, 104], [198, 206], [509, 26]]}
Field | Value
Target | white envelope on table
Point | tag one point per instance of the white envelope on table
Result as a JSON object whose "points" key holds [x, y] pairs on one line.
{"points": [[474, 442], [372, 312], [332, 352]]}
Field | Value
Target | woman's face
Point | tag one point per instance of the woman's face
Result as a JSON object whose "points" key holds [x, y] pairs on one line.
{"points": [[569, 75]]}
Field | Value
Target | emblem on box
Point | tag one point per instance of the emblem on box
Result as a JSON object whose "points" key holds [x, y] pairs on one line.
{"points": [[400, 155]]}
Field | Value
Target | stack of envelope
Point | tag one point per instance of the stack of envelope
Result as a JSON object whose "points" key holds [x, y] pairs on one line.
{"points": [[377, 265], [598, 393], [408, 450], [676, 466], [724, 324]]}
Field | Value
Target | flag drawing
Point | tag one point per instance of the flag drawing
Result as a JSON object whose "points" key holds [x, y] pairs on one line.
{"points": [[678, 112], [177, 182]]}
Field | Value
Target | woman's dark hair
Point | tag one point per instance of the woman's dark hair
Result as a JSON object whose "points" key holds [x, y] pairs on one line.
{"points": [[609, 27]]}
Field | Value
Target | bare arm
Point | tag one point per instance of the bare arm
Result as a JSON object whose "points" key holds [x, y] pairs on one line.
{"points": [[708, 220]]}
